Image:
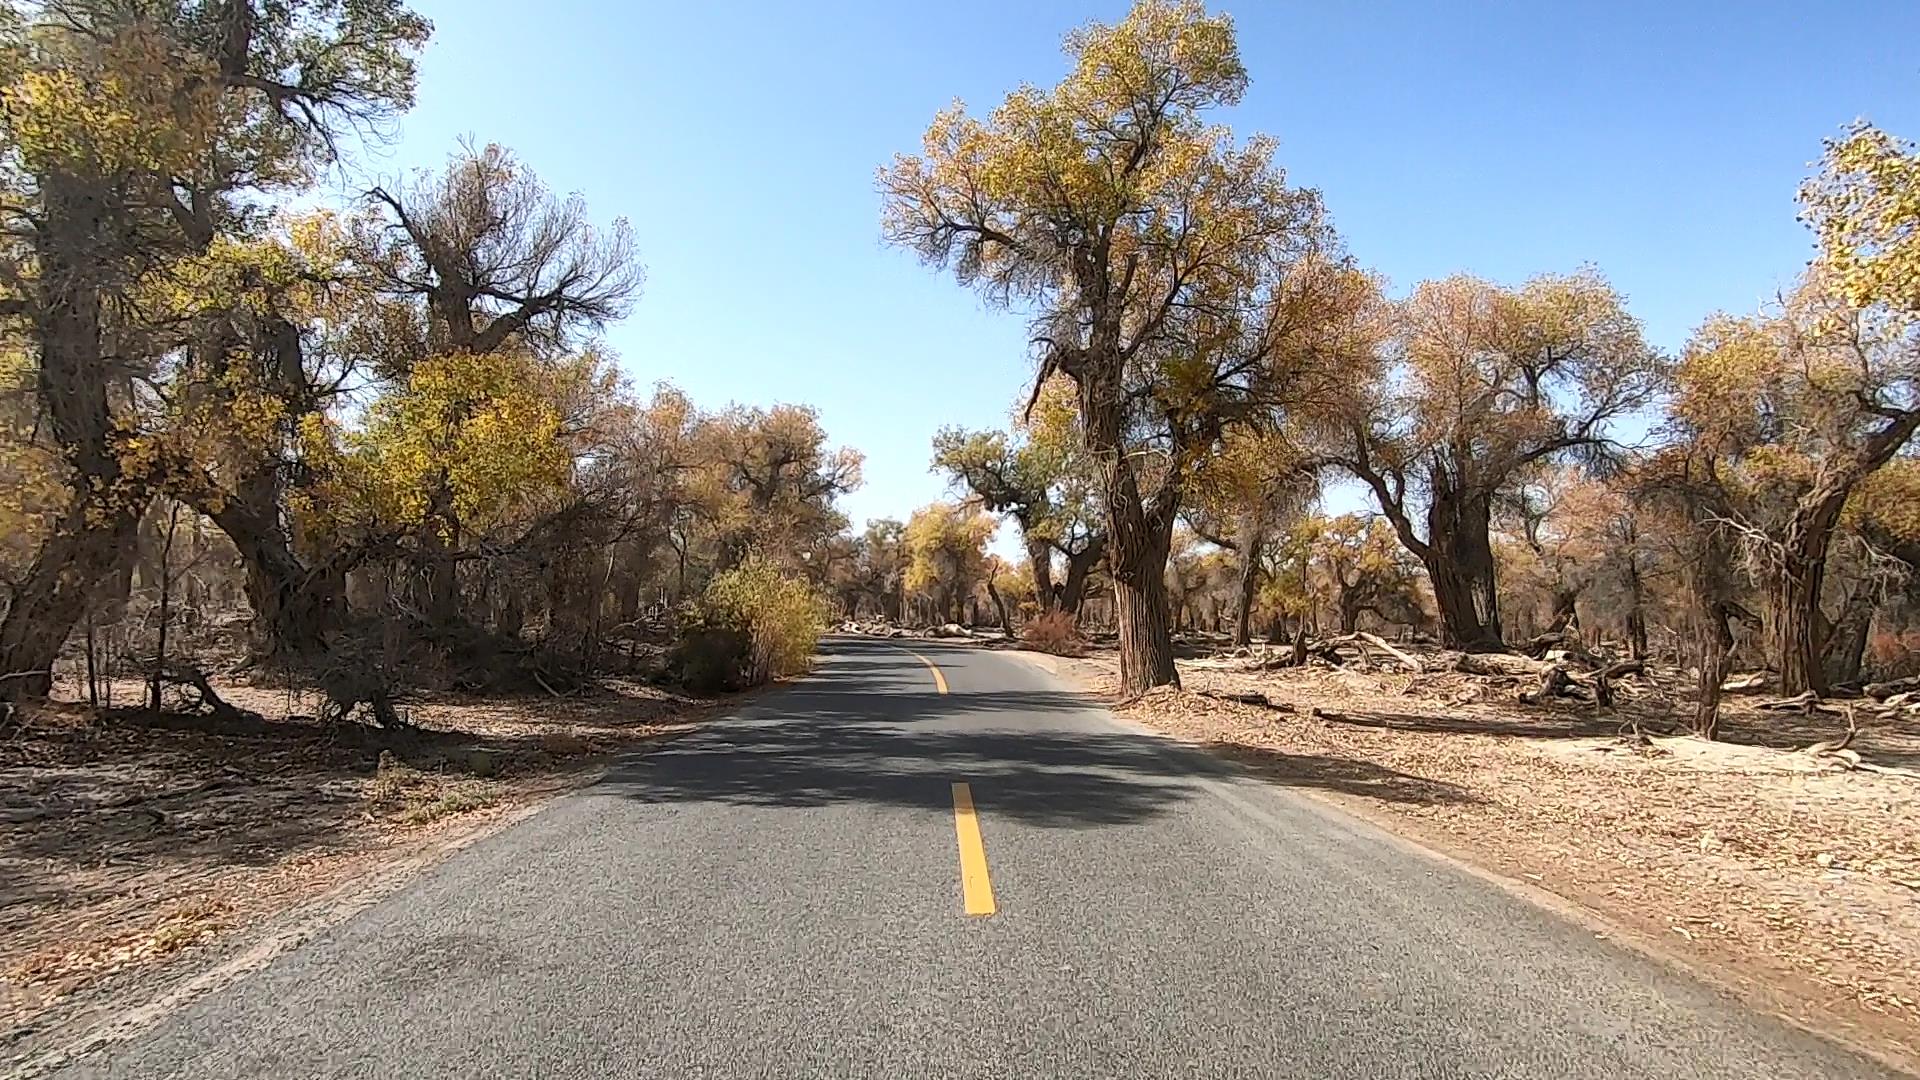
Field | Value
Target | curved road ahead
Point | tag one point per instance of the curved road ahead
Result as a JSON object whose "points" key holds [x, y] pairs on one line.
{"points": [[786, 892]]}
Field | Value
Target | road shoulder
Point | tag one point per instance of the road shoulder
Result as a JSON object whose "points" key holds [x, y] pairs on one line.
{"points": [[1497, 837]]}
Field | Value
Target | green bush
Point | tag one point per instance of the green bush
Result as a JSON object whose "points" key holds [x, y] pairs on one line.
{"points": [[753, 624]]}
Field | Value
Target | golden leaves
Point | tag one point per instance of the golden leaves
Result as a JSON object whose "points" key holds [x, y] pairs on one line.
{"points": [[137, 101], [1864, 207]]}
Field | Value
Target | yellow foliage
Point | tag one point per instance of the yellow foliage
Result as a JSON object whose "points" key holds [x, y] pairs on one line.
{"points": [[482, 432], [1865, 210]]}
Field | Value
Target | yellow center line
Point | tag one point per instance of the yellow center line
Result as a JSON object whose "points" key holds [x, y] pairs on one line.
{"points": [[939, 680], [976, 889]]}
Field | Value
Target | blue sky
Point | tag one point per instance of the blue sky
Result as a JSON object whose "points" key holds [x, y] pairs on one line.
{"points": [[1660, 141]]}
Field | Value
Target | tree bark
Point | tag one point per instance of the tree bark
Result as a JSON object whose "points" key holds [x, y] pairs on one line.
{"points": [[295, 606], [1797, 636], [94, 537], [1799, 640], [1073, 591], [1459, 560], [1716, 663], [1846, 646], [1139, 537], [1040, 557], [1253, 541]]}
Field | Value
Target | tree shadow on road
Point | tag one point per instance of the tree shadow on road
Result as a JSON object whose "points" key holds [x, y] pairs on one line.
{"points": [[1038, 756]]}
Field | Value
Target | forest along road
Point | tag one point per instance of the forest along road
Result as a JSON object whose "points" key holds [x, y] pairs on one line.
{"points": [[803, 890]]}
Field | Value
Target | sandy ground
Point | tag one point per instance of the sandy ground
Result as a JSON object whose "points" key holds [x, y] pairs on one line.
{"points": [[1779, 874], [130, 843]]}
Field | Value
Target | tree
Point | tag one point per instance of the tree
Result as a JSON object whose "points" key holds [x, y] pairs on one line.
{"points": [[1152, 250], [1044, 484], [1365, 568], [773, 480], [138, 136], [1476, 385], [1244, 496], [947, 552], [1841, 361], [491, 262]]}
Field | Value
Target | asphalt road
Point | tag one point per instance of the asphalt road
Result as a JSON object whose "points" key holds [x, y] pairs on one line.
{"points": [[781, 895]]}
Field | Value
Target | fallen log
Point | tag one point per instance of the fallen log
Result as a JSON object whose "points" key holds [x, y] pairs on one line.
{"points": [[1498, 664], [1248, 698], [1554, 682], [1362, 637], [1881, 691]]}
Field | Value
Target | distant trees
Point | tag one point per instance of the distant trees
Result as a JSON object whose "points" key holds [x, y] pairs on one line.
{"points": [[947, 556], [1044, 483], [1225, 359]]}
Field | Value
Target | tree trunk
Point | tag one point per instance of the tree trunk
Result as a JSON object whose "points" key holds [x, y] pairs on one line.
{"points": [[1073, 592], [1349, 608], [1566, 613], [1040, 557], [1846, 647], [1636, 608], [1459, 560], [1253, 541], [1716, 662], [1797, 636], [1138, 538], [294, 605], [1000, 605], [95, 535]]}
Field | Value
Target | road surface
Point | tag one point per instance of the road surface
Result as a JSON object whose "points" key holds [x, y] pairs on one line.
{"points": [[802, 891]]}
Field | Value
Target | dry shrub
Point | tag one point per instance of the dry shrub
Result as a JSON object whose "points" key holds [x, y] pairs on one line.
{"points": [[1056, 632], [751, 625], [1896, 654], [416, 797]]}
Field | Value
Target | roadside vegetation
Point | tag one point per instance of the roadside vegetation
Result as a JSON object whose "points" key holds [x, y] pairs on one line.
{"points": [[332, 526]]}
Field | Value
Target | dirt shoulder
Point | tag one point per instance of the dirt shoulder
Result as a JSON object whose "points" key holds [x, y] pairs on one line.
{"points": [[135, 848], [1793, 883]]}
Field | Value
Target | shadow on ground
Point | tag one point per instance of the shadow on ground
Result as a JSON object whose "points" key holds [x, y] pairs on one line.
{"points": [[853, 734]]}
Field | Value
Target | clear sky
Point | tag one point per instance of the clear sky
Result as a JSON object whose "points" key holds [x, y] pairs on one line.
{"points": [[1661, 141]]}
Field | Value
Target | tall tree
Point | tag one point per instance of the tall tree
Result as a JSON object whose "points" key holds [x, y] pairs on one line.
{"points": [[1148, 246], [137, 135]]}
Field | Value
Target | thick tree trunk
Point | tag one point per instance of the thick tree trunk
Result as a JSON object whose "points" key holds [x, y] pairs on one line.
{"points": [[94, 538], [1459, 560], [1138, 536], [1349, 606], [1716, 663], [1040, 556], [1146, 630], [1797, 631], [90, 544], [1846, 647], [295, 606]]}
